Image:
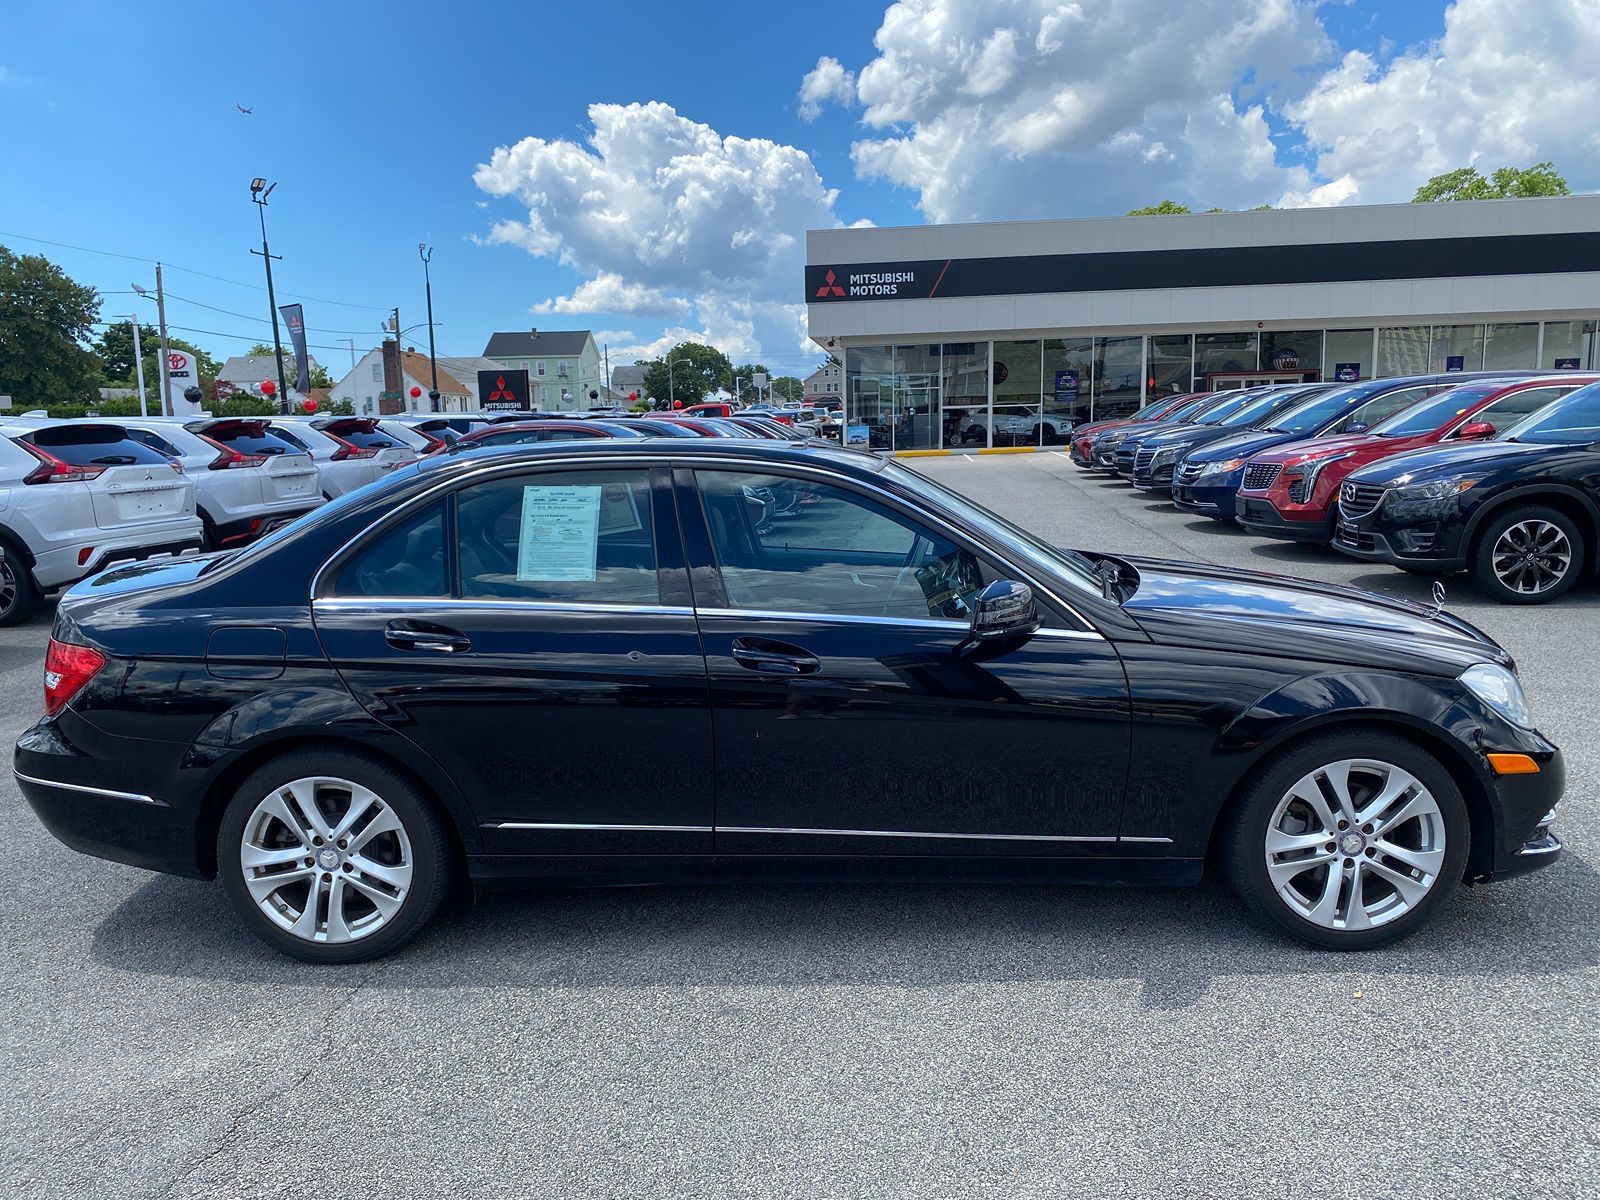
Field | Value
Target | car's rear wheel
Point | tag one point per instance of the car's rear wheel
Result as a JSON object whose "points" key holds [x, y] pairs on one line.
{"points": [[1528, 555], [331, 856], [1349, 841], [19, 596]]}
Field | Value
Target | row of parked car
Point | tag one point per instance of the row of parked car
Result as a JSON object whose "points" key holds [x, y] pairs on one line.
{"points": [[1494, 473], [134, 488]]}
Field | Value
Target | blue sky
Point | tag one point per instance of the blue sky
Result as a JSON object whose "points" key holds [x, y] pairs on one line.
{"points": [[119, 134]]}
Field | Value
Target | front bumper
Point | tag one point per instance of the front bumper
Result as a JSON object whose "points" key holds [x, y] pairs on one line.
{"points": [[1262, 517], [1363, 539], [1154, 478], [1208, 499], [1525, 811]]}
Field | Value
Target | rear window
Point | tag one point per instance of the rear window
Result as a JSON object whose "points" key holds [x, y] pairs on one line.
{"points": [[294, 439], [94, 445], [252, 439], [148, 437]]}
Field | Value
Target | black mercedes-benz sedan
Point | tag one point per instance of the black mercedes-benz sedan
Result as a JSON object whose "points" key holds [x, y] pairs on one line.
{"points": [[1520, 513], [581, 662]]}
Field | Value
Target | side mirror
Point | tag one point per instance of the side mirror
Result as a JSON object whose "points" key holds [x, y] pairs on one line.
{"points": [[1476, 431], [1003, 609], [1357, 427]]}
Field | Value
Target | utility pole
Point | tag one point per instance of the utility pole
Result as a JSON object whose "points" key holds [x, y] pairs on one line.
{"points": [[425, 252], [606, 348], [260, 189], [161, 324], [138, 363], [351, 342]]}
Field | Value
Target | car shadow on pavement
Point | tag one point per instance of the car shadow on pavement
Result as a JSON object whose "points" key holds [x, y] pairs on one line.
{"points": [[1173, 941], [1221, 528]]}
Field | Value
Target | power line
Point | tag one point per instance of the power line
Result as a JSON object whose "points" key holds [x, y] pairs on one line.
{"points": [[171, 266], [251, 317]]}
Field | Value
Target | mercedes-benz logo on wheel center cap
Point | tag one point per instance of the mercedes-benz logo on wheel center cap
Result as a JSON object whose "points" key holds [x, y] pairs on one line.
{"points": [[1352, 844], [327, 858]]}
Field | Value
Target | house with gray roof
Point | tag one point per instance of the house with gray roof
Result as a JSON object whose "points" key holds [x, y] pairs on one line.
{"points": [[563, 365]]}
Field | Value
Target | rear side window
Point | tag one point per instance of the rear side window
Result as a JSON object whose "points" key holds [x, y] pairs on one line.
{"points": [[294, 439], [95, 445], [252, 439], [1508, 410], [1384, 406], [406, 560], [148, 437], [364, 436]]}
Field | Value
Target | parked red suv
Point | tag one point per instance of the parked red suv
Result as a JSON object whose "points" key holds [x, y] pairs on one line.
{"points": [[1290, 491], [1083, 435]]}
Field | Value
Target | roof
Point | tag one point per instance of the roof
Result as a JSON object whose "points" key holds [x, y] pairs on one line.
{"points": [[860, 463], [627, 379], [466, 367], [248, 369], [419, 368], [552, 343]]}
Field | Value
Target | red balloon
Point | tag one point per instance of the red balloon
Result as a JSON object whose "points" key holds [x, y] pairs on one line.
{"points": [[677, 404], [633, 395], [308, 406], [268, 387], [415, 391]]}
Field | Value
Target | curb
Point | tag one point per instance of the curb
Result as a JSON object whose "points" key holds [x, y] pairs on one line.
{"points": [[986, 450]]}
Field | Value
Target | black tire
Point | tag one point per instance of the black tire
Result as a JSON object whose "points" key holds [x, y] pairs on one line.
{"points": [[1481, 562], [208, 534], [430, 856], [1245, 839], [19, 594]]}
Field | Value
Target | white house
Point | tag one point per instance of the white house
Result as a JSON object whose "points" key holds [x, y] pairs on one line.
{"points": [[825, 383], [363, 386]]}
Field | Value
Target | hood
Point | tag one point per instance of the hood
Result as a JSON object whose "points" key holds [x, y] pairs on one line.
{"points": [[1195, 435], [1329, 445], [1450, 459], [1252, 613], [1241, 444]]}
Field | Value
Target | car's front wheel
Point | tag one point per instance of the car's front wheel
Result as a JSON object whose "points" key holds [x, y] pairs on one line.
{"points": [[331, 856], [1349, 841], [1528, 555], [19, 596]]}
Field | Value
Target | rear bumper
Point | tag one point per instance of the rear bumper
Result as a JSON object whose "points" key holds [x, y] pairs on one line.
{"points": [[1262, 517], [246, 529], [59, 567]]}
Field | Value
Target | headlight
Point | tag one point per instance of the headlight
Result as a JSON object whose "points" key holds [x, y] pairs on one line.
{"points": [[1222, 468], [1302, 476], [1441, 489], [1500, 690], [1109, 441], [1165, 455]]}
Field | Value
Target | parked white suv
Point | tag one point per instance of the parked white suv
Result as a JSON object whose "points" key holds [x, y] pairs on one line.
{"points": [[349, 451], [248, 480], [77, 496]]}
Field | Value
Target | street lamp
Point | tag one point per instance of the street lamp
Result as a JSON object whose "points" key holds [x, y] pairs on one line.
{"points": [[425, 252], [260, 189]]}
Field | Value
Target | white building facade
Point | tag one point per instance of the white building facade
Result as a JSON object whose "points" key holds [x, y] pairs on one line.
{"points": [[1032, 326]]}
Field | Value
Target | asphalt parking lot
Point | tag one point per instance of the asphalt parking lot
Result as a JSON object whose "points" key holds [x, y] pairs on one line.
{"points": [[888, 1041]]}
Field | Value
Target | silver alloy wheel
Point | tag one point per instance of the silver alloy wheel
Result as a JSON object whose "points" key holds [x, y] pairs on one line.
{"points": [[1355, 844], [326, 859], [8, 586], [1531, 556]]}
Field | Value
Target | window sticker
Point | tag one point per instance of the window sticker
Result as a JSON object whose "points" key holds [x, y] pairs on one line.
{"points": [[560, 534], [619, 512]]}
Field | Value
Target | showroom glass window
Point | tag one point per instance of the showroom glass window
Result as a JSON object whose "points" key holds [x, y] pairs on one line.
{"points": [[583, 537], [1017, 392], [406, 559], [869, 396], [1569, 345], [1510, 347], [1171, 365], [964, 394], [1223, 354], [1457, 341], [1404, 350], [1118, 376], [1350, 349], [796, 546], [1067, 373], [1291, 350]]}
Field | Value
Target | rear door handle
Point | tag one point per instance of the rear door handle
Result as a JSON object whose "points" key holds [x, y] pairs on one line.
{"points": [[419, 635], [774, 658]]}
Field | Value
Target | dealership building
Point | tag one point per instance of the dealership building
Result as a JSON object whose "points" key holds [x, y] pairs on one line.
{"points": [[1007, 333]]}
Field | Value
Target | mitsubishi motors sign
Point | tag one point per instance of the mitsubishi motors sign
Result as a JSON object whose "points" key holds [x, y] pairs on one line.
{"points": [[503, 391], [895, 281]]}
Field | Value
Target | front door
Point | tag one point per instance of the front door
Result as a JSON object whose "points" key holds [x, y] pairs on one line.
{"points": [[532, 633], [848, 722]]}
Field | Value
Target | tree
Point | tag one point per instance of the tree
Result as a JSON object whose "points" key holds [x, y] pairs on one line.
{"points": [[1167, 208], [115, 351], [743, 381], [787, 387], [1507, 183], [45, 320], [696, 370], [320, 378]]}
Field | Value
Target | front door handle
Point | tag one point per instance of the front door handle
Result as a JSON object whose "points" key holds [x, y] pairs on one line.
{"points": [[419, 635], [774, 658]]}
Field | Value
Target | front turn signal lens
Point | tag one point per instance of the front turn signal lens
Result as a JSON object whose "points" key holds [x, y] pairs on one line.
{"points": [[1512, 764]]}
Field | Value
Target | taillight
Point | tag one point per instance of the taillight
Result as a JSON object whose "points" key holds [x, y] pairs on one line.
{"points": [[435, 444], [228, 458], [349, 450], [67, 668], [53, 470]]}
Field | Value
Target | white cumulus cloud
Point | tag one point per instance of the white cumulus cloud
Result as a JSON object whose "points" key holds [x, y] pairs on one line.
{"points": [[610, 293], [825, 82]]}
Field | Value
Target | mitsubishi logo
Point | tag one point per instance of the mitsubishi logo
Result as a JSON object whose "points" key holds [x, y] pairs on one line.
{"points": [[500, 392], [830, 288]]}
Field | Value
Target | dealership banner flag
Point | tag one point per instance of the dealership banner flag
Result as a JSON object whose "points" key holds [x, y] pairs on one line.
{"points": [[296, 318]]}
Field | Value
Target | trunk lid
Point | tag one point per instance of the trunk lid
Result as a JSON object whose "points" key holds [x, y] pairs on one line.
{"points": [[137, 494]]}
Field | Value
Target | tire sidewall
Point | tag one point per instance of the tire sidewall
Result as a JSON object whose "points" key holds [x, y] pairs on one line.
{"points": [[431, 860], [1483, 553], [1248, 864], [26, 598]]}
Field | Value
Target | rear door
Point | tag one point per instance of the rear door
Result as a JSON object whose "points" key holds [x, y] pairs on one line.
{"points": [[131, 484]]}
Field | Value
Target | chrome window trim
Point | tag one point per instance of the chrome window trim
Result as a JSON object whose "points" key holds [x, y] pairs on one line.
{"points": [[334, 604], [897, 833], [866, 619], [137, 797], [1147, 841]]}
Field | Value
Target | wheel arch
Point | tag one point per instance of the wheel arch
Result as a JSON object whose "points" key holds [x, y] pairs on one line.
{"points": [[1454, 757], [18, 544], [224, 784], [1568, 501]]}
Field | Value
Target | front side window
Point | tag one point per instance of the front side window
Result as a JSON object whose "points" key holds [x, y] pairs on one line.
{"points": [[404, 560], [580, 536], [1573, 421], [1508, 410], [1380, 407], [791, 545]]}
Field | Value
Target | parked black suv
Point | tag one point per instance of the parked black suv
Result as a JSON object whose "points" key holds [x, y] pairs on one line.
{"points": [[1521, 512]]}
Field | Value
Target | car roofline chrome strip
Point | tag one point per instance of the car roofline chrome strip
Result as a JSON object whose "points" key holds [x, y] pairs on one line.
{"points": [[137, 797]]}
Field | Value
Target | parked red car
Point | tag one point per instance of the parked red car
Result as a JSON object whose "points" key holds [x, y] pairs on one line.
{"points": [[711, 408], [1083, 435], [1290, 491]]}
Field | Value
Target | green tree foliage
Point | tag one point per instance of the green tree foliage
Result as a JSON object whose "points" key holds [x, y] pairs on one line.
{"points": [[743, 382], [321, 379], [45, 321], [696, 371], [787, 387], [115, 351], [1167, 208], [1507, 183]]}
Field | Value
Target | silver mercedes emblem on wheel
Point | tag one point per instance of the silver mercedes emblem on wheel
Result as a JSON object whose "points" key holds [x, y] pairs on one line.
{"points": [[328, 858], [1350, 845]]}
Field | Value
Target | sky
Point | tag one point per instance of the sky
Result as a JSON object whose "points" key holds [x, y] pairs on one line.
{"points": [[648, 171]]}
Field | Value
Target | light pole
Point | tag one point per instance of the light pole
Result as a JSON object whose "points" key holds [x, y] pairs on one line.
{"points": [[425, 252], [138, 363], [260, 189]]}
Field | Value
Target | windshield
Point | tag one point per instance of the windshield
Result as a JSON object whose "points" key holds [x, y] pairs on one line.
{"points": [[1317, 412], [1573, 420], [1260, 409], [1043, 557], [1227, 408], [1430, 414]]}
